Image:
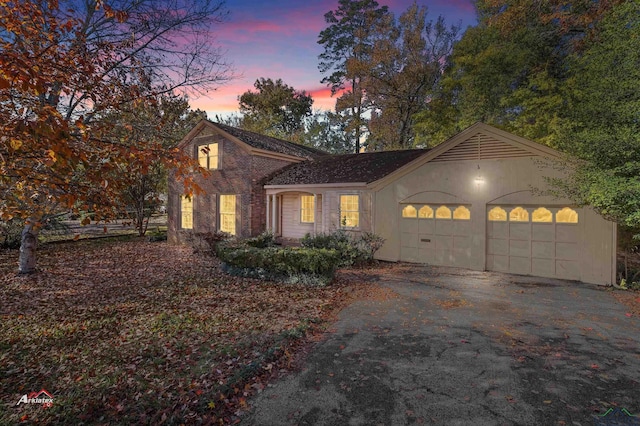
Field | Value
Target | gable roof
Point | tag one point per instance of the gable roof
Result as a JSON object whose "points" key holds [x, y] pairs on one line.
{"points": [[255, 143], [347, 168], [268, 143], [479, 141]]}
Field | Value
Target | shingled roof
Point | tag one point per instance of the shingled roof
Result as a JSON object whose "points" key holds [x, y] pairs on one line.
{"points": [[268, 143], [348, 168]]}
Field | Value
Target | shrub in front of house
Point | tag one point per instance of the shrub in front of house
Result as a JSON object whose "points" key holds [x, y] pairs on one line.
{"points": [[286, 264], [264, 240], [208, 241], [353, 250]]}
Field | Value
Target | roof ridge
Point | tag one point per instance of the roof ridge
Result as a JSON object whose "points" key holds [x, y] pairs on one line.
{"points": [[272, 139]]}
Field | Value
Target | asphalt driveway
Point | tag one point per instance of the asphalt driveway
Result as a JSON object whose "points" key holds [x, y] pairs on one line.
{"points": [[455, 347]]}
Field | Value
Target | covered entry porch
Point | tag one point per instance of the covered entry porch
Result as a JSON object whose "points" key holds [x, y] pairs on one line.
{"points": [[293, 214]]}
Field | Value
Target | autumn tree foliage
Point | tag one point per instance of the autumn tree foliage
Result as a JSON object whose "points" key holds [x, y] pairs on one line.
{"points": [[63, 66], [163, 120]]}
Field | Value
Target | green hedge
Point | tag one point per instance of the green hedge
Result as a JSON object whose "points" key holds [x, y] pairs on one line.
{"points": [[352, 250], [288, 264]]}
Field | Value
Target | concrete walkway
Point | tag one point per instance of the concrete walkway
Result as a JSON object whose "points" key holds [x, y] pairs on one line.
{"points": [[457, 347]]}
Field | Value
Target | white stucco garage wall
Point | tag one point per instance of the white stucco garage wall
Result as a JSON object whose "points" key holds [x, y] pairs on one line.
{"points": [[481, 182]]}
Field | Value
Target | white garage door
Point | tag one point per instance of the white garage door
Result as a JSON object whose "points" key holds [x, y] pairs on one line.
{"points": [[435, 234], [541, 241]]}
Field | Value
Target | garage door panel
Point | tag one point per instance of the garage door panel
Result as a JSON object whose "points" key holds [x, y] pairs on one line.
{"points": [[426, 255], [460, 241], [519, 265], [409, 225], [543, 249], [498, 263], [567, 251], [520, 248], [567, 233], [442, 257], [409, 254], [498, 230], [548, 249], [409, 239], [543, 267], [462, 257], [444, 227], [426, 226], [462, 227], [425, 240], [438, 241], [520, 231], [542, 231], [500, 247], [443, 242]]}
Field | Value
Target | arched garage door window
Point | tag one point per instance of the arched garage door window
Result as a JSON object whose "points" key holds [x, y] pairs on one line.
{"points": [[410, 211]]}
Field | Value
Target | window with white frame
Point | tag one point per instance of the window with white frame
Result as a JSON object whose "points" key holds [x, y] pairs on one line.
{"points": [[228, 214], [349, 211], [307, 206], [186, 212], [208, 156]]}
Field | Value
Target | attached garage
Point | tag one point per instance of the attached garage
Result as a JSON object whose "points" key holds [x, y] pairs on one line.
{"points": [[436, 234], [474, 202], [542, 241]]}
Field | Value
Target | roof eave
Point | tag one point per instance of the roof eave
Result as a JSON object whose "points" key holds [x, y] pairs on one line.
{"points": [[318, 185]]}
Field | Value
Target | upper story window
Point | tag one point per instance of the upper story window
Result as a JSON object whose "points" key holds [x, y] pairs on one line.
{"points": [[186, 212], [307, 206], [208, 156], [349, 211]]}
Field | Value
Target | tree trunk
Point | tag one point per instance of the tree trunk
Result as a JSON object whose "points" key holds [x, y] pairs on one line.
{"points": [[27, 260]]}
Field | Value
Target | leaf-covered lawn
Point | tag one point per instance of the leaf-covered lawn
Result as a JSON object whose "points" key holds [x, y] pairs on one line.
{"points": [[145, 333]]}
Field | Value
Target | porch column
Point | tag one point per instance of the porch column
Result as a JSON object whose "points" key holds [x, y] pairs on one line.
{"points": [[268, 225], [315, 215], [274, 214]]}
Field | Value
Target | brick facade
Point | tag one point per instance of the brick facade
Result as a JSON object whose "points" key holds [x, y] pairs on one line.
{"points": [[240, 173]]}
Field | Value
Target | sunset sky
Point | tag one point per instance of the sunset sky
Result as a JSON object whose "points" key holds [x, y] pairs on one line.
{"points": [[278, 39]]}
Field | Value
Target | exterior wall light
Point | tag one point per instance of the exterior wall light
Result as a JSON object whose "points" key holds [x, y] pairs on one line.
{"points": [[479, 179]]}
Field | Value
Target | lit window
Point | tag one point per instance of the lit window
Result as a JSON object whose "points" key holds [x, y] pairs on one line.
{"points": [[228, 214], [186, 212], [541, 215], [409, 211], [462, 213], [349, 211], [497, 214], [443, 212], [425, 212], [208, 156], [567, 215], [306, 209], [519, 215]]}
